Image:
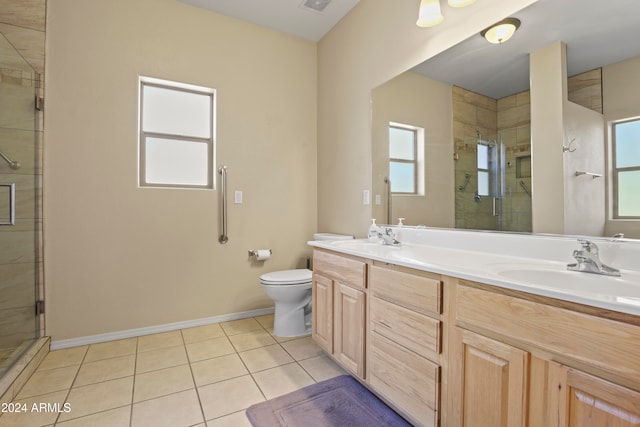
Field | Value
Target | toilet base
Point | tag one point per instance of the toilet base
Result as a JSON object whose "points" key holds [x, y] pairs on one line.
{"points": [[291, 323]]}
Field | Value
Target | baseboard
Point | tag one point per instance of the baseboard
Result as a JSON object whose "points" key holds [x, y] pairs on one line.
{"points": [[130, 333]]}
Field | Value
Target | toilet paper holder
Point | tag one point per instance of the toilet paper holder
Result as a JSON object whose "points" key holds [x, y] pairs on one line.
{"points": [[254, 253]]}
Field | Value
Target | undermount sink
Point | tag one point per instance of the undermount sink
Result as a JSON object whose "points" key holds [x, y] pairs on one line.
{"points": [[557, 276]]}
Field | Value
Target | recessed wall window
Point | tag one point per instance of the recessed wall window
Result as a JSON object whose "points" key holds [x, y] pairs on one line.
{"points": [[176, 145], [405, 158], [626, 169]]}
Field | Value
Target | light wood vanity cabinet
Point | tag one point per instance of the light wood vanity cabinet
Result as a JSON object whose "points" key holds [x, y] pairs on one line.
{"points": [[582, 400], [338, 308], [523, 360], [453, 353], [492, 380], [403, 353]]}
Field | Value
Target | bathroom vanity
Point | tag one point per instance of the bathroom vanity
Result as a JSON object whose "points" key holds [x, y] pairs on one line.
{"points": [[440, 335]]}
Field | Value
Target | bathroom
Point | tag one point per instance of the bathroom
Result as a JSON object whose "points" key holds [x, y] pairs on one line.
{"points": [[293, 128]]}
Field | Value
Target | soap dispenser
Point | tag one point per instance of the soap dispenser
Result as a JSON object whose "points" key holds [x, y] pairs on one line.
{"points": [[373, 231]]}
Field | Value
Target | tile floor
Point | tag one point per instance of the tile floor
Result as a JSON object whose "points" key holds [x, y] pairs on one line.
{"points": [[204, 376]]}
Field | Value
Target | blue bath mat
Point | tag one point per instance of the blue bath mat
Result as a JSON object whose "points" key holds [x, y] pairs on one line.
{"points": [[340, 401]]}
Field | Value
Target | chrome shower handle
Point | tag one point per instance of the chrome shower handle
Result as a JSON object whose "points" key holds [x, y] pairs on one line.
{"points": [[12, 163]]}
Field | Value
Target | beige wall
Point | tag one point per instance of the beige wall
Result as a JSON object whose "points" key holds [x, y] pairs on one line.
{"points": [[376, 41], [119, 257], [584, 211], [564, 203], [548, 77], [415, 100], [621, 92]]}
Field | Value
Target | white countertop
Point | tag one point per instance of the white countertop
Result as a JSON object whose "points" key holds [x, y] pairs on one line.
{"points": [[535, 275]]}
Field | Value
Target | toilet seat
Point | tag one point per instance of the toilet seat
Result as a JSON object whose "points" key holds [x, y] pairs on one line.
{"points": [[287, 277]]}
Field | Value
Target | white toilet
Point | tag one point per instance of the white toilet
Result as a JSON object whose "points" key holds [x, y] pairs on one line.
{"points": [[290, 291]]}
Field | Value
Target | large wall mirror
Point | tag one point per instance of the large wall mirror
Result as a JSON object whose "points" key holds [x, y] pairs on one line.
{"points": [[466, 139]]}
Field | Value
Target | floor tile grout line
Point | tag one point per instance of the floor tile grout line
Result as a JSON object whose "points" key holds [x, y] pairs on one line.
{"points": [[236, 351], [75, 377], [133, 390], [250, 373], [89, 415], [193, 378]]}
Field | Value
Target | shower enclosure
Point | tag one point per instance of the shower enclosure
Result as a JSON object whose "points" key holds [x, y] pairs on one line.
{"points": [[20, 205], [493, 181]]}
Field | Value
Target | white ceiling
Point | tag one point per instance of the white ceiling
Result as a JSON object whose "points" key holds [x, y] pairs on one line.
{"points": [[288, 16], [597, 33]]}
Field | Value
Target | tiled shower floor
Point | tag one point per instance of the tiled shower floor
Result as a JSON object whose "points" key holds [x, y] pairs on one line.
{"points": [[204, 376]]}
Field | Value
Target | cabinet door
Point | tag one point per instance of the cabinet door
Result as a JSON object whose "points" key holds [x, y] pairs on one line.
{"points": [[322, 312], [577, 399], [348, 338], [492, 383]]}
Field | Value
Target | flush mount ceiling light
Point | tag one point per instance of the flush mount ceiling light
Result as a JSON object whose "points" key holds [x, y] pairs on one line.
{"points": [[429, 13], [501, 31]]}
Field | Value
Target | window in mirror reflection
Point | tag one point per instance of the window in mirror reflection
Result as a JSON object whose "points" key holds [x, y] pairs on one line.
{"points": [[483, 170], [404, 158], [626, 169]]}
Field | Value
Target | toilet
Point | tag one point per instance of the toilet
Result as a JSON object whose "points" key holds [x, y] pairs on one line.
{"points": [[290, 291]]}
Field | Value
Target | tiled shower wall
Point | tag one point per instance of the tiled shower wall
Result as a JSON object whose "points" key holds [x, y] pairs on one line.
{"points": [[510, 117], [514, 124], [472, 114], [22, 24]]}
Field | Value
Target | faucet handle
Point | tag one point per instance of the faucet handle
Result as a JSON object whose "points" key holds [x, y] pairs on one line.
{"points": [[588, 245]]}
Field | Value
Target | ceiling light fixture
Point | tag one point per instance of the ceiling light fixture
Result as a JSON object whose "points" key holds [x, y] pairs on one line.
{"points": [[429, 13], [501, 31], [460, 3]]}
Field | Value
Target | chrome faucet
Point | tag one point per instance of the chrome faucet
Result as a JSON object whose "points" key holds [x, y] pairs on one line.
{"points": [[388, 237], [589, 260]]}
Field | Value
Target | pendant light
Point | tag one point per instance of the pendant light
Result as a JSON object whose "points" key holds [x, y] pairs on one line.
{"points": [[429, 13], [502, 31]]}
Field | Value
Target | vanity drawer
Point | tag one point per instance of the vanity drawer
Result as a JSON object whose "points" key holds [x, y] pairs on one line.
{"points": [[405, 379], [412, 330], [418, 293], [342, 268]]}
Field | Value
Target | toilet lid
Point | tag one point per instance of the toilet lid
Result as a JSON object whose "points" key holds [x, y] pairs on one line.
{"points": [[287, 277]]}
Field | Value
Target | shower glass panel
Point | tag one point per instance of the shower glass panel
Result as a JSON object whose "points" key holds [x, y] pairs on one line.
{"points": [[480, 183], [20, 175], [493, 183]]}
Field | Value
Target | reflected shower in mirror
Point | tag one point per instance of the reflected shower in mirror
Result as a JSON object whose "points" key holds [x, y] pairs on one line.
{"points": [[476, 92]]}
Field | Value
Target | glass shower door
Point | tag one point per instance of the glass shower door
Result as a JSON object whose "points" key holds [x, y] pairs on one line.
{"points": [[20, 207], [480, 183]]}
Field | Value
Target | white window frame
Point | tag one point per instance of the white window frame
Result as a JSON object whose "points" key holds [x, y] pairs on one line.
{"points": [[142, 135], [418, 159], [487, 171], [615, 170]]}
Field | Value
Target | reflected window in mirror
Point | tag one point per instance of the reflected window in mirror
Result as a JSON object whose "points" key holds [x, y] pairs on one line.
{"points": [[405, 159], [483, 170], [626, 169]]}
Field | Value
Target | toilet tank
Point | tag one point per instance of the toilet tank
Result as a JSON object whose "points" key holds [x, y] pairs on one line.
{"points": [[331, 236]]}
